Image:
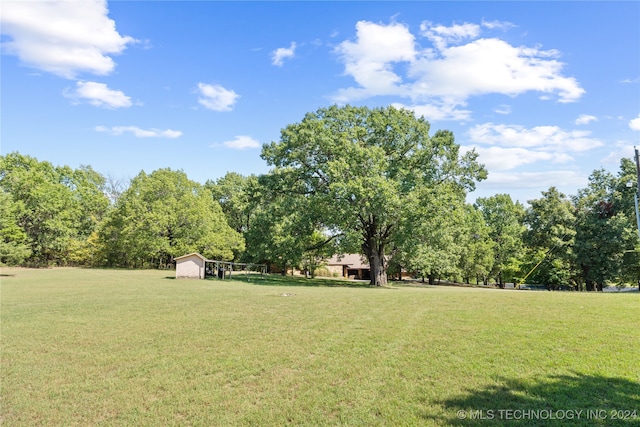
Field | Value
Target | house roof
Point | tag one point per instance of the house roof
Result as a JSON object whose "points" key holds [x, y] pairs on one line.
{"points": [[350, 260]]}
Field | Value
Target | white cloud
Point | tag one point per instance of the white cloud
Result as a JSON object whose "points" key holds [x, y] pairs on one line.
{"points": [[501, 25], [437, 111], [99, 95], [241, 142], [503, 159], [503, 109], [216, 97], [622, 149], [506, 147], [526, 186], [540, 137], [280, 54], [369, 60], [585, 119], [441, 36], [492, 66], [62, 37], [635, 123], [140, 133], [505, 181], [387, 60]]}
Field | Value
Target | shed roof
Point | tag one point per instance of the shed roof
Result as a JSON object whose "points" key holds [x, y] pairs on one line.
{"points": [[190, 255]]}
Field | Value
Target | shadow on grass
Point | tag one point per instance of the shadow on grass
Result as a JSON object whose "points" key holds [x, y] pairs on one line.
{"points": [[573, 400], [279, 280]]}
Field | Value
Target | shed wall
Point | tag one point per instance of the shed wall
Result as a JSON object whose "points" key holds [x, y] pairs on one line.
{"points": [[191, 267]]}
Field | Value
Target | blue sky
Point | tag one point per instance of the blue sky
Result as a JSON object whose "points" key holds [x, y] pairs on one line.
{"points": [[546, 92]]}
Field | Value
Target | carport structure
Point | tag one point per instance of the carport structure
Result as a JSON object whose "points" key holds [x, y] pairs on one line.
{"points": [[196, 266]]}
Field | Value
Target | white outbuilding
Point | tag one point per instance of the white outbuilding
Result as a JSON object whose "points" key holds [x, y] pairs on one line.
{"points": [[191, 266]]}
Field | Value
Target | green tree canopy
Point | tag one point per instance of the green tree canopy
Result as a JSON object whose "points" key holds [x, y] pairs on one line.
{"points": [[283, 230], [58, 208], [477, 257], [163, 215], [504, 218], [432, 233], [358, 168], [234, 193], [13, 240], [549, 236], [605, 230]]}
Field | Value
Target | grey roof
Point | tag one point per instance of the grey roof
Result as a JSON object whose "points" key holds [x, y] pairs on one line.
{"points": [[350, 260]]}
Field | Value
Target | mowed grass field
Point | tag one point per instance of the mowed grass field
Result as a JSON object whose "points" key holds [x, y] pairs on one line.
{"points": [[128, 348]]}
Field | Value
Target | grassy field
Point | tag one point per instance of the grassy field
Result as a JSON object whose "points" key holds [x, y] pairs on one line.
{"points": [[112, 347]]}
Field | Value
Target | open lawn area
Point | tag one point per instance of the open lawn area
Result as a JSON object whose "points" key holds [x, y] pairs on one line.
{"points": [[114, 347]]}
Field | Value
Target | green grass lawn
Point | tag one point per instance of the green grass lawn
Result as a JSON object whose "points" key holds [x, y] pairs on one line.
{"points": [[113, 347]]}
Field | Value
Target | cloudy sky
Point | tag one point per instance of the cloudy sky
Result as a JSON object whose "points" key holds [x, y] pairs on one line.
{"points": [[545, 92]]}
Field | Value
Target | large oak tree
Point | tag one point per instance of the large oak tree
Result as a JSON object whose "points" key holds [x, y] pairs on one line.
{"points": [[359, 168]]}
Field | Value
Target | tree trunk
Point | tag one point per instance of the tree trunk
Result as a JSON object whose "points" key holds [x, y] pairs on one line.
{"points": [[373, 246], [590, 287], [378, 269], [587, 280]]}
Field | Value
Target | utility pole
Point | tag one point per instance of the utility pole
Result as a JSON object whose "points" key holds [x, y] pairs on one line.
{"points": [[637, 195]]}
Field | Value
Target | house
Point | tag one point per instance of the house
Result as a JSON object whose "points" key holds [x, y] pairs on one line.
{"points": [[353, 266], [190, 266]]}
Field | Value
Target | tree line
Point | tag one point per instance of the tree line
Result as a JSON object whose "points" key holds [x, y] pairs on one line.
{"points": [[343, 180]]}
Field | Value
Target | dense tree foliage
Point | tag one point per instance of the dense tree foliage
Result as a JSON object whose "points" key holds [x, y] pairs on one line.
{"points": [[359, 169], [235, 193], [432, 235], [277, 234], [605, 230], [163, 215], [549, 237], [505, 221], [477, 256], [344, 180], [57, 208], [284, 232], [14, 248]]}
